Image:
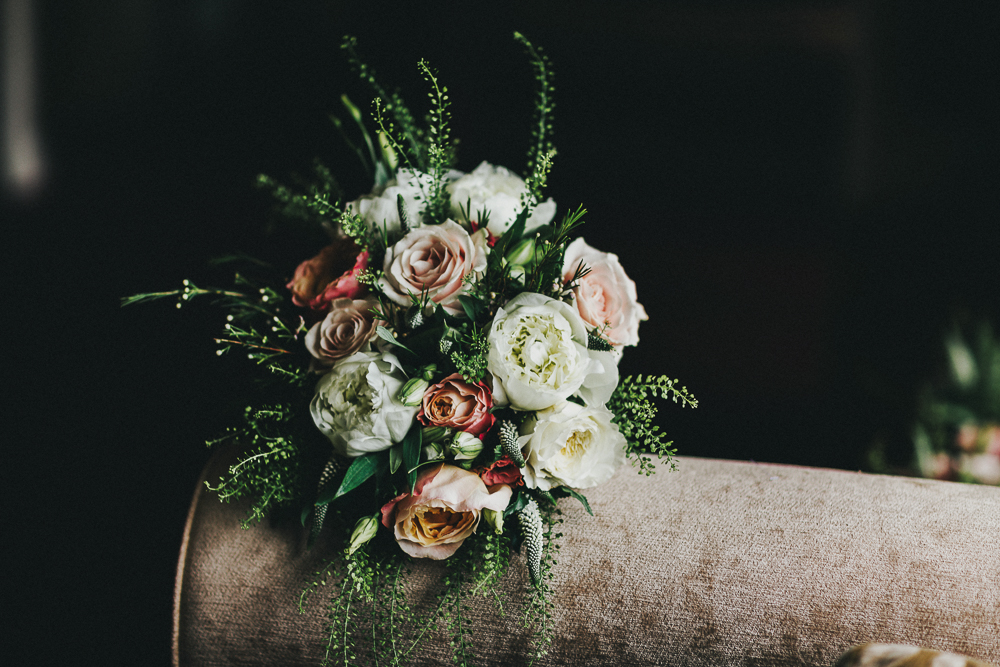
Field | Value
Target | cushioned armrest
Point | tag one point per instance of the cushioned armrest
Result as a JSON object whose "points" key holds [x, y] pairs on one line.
{"points": [[720, 563]]}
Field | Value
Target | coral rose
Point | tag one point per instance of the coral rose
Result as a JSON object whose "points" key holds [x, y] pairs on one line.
{"points": [[455, 403], [502, 471], [444, 509], [346, 329], [605, 297], [332, 274]]}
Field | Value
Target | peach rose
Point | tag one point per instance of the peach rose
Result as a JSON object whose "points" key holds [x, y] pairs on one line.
{"points": [[348, 326], [605, 297], [444, 509], [455, 403], [316, 282], [434, 259]]}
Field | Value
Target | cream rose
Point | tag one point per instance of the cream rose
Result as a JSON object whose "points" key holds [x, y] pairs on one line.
{"points": [[498, 191], [570, 445], [355, 404], [605, 296], [346, 329], [539, 357], [444, 509], [434, 259]]}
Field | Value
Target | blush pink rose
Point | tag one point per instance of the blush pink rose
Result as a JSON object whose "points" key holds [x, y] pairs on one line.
{"points": [[443, 510], [434, 259], [332, 274], [457, 404], [605, 297], [502, 471], [348, 326]]}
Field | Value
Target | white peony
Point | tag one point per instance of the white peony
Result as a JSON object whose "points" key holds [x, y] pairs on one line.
{"points": [[539, 357], [379, 209], [498, 191], [355, 404], [570, 445]]}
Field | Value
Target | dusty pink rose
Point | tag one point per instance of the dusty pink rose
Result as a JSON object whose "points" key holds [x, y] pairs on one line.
{"points": [[348, 326], [605, 297], [434, 259], [502, 471], [443, 510], [455, 403], [328, 276]]}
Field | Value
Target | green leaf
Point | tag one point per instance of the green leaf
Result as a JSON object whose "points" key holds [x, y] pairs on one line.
{"points": [[411, 454], [516, 504], [386, 335], [573, 493], [361, 469], [470, 305], [395, 458]]}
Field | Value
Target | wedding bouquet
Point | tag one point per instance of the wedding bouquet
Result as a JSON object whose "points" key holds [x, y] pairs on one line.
{"points": [[442, 371]]}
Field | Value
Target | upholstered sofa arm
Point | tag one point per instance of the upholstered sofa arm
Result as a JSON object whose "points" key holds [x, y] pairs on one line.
{"points": [[719, 563]]}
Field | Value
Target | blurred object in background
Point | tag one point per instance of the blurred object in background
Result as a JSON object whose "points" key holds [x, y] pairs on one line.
{"points": [[23, 159], [956, 435]]}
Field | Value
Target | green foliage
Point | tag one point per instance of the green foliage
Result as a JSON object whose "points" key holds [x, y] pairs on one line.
{"points": [[634, 413], [269, 472], [391, 104], [541, 150], [546, 275], [440, 148], [472, 355], [313, 202]]}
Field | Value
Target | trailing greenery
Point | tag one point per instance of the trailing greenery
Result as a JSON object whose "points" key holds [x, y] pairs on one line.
{"points": [[269, 472], [634, 413]]}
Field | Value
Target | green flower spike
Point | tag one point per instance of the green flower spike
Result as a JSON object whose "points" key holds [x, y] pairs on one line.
{"points": [[509, 443], [531, 527]]}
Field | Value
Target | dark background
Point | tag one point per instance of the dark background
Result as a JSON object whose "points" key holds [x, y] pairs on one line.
{"points": [[804, 192]]}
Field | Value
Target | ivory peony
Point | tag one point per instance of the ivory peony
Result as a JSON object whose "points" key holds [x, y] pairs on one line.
{"points": [[538, 356], [499, 192], [355, 404], [571, 445]]}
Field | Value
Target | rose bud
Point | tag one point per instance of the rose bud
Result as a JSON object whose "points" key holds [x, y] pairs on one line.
{"points": [[465, 446], [364, 531]]}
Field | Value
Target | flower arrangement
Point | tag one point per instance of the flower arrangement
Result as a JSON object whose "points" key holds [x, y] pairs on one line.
{"points": [[441, 372]]}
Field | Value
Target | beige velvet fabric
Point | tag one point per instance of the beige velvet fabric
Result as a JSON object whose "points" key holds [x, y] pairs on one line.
{"points": [[720, 563]]}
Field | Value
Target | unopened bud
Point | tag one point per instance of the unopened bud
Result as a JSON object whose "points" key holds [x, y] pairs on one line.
{"points": [[493, 519], [387, 152], [465, 446], [434, 433], [433, 451], [412, 392], [427, 372], [364, 531], [522, 253]]}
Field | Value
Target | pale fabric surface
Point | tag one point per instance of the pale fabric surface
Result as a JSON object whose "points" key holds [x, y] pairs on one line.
{"points": [[895, 655], [721, 563]]}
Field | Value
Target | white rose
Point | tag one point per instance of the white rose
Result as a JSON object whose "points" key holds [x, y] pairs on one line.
{"points": [[434, 259], [498, 191], [355, 404], [605, 296], [539, 357], [571, 445], [380, 210]]}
